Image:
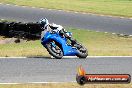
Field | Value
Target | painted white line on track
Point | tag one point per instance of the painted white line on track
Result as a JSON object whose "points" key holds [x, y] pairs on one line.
{"points": [[92, 56], [15, 5], [84, 13], [130, 35], [106, 56], [68, 11], [10, 83], [12, 57], [102, 15], [49, 9], [2, 19], [110, 16], [50, 82], [33, 7], [122, 17], [105, 32], [121, 34], [37, 83], [43, 8], [113, 33], [59, 10], [8, 4], [63, 57]]}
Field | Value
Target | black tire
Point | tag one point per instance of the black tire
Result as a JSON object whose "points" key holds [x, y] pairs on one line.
{"points": [[82, 52], [53, 50]]}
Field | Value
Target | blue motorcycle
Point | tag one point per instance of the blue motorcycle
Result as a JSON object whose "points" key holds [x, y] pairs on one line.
{"points": [[58, 45]]}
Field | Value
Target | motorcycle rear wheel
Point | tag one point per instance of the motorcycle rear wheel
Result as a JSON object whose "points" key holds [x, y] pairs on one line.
{"points": [[55, 50]]}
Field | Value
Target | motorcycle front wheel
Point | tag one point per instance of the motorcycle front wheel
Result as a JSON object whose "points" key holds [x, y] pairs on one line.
{"points": [[54, 49], [82, 51]]}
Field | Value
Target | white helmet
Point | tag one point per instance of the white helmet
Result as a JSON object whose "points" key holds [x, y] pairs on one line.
{"points": [[44, 22]]}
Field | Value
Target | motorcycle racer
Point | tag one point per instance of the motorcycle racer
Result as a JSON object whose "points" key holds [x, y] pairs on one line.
{"points": [[54, 28]]}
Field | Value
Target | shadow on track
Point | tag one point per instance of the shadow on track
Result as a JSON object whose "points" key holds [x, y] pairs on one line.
{"points": [[48, 57]]}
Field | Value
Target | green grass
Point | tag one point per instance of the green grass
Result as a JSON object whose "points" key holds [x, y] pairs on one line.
{"points": [[108, 7], [98, 44], [67, 85]]}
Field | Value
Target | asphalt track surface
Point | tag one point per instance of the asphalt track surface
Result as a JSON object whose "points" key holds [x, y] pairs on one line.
{"points": [[64, 70], [59, 70], [68, 19]]}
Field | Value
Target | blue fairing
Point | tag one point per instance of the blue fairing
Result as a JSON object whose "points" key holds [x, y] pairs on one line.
{"points": [[67, 49]]}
